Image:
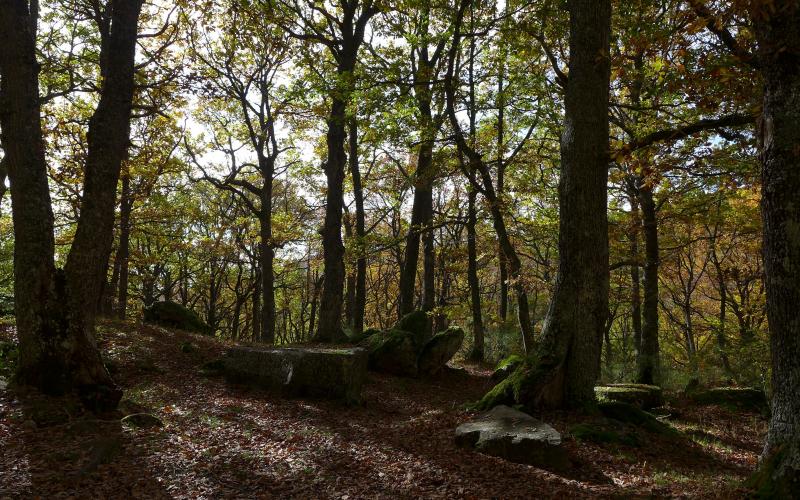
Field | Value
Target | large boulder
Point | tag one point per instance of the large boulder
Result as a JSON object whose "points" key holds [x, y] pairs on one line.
{"points": [[742, 398], [439, 350], [515, 436], [393, 352], [415, 322], [644, 396], [173, 315], [300, 371]]}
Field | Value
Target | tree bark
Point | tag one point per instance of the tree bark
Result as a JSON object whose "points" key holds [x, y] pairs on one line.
{"points": [[636, 294], [56, 311], [474, 283], [360, 292], [330, 311], [267, 256], [779, 42], [648, 359], [568, 364], [123, 252]]}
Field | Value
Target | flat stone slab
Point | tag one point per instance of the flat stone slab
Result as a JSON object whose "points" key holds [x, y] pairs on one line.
{"points": [[331, 373], [644, 396], [515, 436]]}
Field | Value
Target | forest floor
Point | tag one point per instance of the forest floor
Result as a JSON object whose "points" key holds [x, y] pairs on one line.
{"points": [[227, 441]]}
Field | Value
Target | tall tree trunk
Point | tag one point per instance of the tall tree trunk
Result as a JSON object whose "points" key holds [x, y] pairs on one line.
{"points": [[330, 313], [568, 364], [648, 359], [360, 295], [257, 296], [474, 284], [422, 207], [350, 280], [501, 175], [267, 256], [123, 252], [56, 320], [779, 42], [636, 294]]}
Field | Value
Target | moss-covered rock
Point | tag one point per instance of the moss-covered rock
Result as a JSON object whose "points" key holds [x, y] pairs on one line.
{"points": [[642, 395], [630, 414], [357, 338], [742, 398], [393, 352], [415, 322], [506, 366], [173, 315], [439, 350], [300, 371]]}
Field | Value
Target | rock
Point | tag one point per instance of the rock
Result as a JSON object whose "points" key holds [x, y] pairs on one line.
{"points": [[505, 367], [515, 436], [173, 315], [393, 352], [300, 371], [743, 398], [3, 384], [415, 322], [142, 421], [644, 396], [627, 413], [439, 350]]}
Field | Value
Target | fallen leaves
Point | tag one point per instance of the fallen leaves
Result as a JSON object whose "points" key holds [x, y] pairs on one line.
{"points": [[226, 441]]}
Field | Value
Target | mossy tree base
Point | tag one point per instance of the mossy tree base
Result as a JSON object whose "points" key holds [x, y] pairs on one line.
{"points": [[534, 384], [778, 476]]}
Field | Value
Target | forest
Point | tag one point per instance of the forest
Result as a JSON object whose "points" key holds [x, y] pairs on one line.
{"points": [[399, 248]]}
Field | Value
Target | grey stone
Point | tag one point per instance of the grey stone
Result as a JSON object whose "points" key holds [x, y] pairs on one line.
{"points": [[335, 373], [393, 352], [515, 436], [439, 350]]}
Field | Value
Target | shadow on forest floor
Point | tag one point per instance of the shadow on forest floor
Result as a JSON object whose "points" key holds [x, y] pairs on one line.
{"points": [[221, 440]]}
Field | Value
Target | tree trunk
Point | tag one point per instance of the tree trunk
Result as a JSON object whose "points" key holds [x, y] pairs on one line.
{"points": [[257, 295], [360, 294], [648, 359], [123, 252], [474, 284], [636, 294], [779, 42], [568, 364], [267, 256], [422, 207], [501, 174], [57, 310], [330, 313]]}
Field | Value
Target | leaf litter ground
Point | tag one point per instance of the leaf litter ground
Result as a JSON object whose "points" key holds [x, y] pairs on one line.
{"points": [[223, 441]]}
